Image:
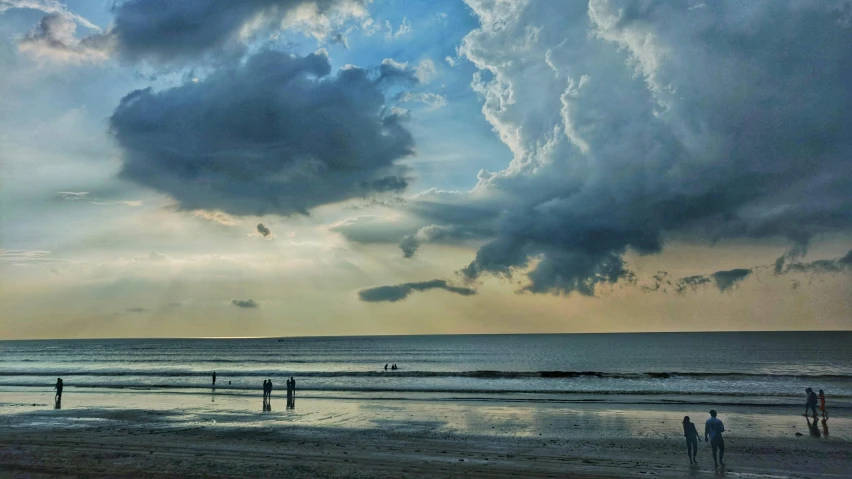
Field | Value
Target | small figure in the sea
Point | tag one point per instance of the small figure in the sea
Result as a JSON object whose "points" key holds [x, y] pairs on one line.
{"points": [[713, 430], [58, 387], [268, 389], [822, 405], [265, 388], [811, 402], [691, 434], [214, 379], [386, 366]]}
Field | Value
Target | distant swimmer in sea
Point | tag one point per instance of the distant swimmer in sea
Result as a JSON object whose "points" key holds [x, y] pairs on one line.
{"points": [[811, 402], [214, 379], [58, 387], [386, 367], [713, 430], [691, 434], [822, 405]]}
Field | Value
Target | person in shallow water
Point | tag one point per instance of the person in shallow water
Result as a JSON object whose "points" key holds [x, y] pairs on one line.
{"points": [[214, 379], [291, 392], [691, 434], [58, 387], [713, 429], [811, 402], [822, 405], [265, 388]]}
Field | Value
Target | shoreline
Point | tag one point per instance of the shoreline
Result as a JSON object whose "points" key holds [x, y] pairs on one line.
{"points": [[121, 434]]}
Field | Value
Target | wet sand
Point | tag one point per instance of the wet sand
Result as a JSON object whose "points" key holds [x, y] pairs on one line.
{"points": [[143, 434]]}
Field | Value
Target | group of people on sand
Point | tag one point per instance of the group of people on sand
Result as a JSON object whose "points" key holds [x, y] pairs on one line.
{"points": [[811, 403], [291, 393], [392, 367], [713, 429]]}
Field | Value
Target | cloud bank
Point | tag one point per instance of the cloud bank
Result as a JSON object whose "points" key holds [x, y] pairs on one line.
{"points": [[173, 32], [244, 303], [632, 122], [401, 291], [275, 134]]}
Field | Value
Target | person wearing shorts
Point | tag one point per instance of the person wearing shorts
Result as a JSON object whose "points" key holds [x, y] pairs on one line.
{"points": [[713, 430]]}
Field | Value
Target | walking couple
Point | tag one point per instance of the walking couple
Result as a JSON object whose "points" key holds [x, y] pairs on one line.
{"points": [[291, 393], [267, 394], [713, 430]]}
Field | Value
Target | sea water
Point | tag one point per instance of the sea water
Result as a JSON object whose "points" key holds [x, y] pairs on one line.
{"points": [[763, 368]]}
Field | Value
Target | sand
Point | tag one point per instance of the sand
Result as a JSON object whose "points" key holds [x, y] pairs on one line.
{"points": [[136, 434]]}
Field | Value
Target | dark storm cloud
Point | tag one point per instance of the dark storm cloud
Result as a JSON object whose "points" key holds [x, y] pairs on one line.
{"points": [[263, 229], [725, 280], [632, 122], [691, 282], [244, 303], [838, 265], [401, 291], [162, 31], [276, 134]]}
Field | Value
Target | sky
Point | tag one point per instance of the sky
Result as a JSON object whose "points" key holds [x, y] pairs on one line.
{"points": [[211, 168]]}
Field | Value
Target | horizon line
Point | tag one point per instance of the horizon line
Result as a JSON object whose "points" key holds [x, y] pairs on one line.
{"points": [[434, 334]]}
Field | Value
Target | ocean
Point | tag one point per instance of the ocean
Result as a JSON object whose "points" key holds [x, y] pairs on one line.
{"points": [[763, 368]]}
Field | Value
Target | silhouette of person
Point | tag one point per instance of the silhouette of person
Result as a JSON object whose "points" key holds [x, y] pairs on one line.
{"points": [[265, 388], [813, 427], [713, 429], [811, 402], [214, 379], [822, 404], [58, 387], [386, 367], [268, 389], [691, 434], [291, 393]]}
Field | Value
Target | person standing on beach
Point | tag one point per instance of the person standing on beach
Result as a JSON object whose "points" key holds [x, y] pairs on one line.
{"points": [[714, 429], [691, 434], [822, 405], [291, 392], [265, 389], [811, 401], [58, 387], [214, 379]]}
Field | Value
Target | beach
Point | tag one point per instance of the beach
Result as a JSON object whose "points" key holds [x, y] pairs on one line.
{"points": [[139, 433], [457, 406]]}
